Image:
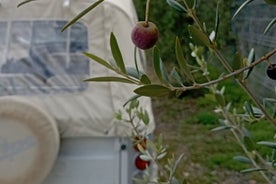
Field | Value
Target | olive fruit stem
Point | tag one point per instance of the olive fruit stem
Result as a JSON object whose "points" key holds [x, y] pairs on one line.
{"points": [[147, 12]]}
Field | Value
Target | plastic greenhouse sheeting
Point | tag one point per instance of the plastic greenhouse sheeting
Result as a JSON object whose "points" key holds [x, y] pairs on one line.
{"points": [[40, 63], [249, 26]]}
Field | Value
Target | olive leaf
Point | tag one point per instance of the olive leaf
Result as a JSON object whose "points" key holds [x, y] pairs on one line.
{"points": [[80, 15], [220, 128], [250, 60], [198, 36], [152, 90], [217, 22], [109, 79], [117, 55], [133, 72], [252, 170], [24, 2], [159, 67], [145, 79], [175, 77], [267, 144], [99, 60], [242, 159], [182, 61], [176, 5], [241, 7], [270, 24]]}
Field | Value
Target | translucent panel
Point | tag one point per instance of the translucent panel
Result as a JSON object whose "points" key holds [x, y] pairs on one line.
{"points": [[46, 59]]}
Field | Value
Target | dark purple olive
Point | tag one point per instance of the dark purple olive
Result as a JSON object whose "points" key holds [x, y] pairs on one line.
{"points": [[271, 71]]}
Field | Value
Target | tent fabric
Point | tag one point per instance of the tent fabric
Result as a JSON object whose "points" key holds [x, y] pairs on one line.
{"points": [[45, 66]]}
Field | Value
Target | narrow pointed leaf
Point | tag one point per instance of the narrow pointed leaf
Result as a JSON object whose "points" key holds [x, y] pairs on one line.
{"points": [[268, 144], [270, 24], [241, 7], [176, 77], [243, 159], [133, 72], [177, 6], [217, 21], [145, 79], [199, 37], [182, 62], [109, 79], [80, 15], [252, 170], [152, 90], [195, 3], [131, 99], [164, 73], [117, 55], [249, 108], [99, 60], [250, 60], [157, 60], [225, 127], [24, 2]]}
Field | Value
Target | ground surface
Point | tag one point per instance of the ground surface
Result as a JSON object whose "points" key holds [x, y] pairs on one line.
{"points": [[208, 157]]}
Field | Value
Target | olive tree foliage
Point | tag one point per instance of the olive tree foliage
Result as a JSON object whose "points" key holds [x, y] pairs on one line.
{"points": [[203, 44]]}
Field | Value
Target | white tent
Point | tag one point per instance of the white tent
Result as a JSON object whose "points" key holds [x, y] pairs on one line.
{"points": [[43, 66]]}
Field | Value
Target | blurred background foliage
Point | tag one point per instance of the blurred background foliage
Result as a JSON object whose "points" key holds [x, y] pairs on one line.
{"points": [[172, 23]]}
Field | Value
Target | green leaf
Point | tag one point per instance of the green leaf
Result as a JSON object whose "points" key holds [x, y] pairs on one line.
{"points": [[248, 108], [145, 79], [133, 98], [182, 62], [225, 127], [177, 6], [156, 63], [99, 60], [109, 79], [217, 21], [176, 77], [80, 15], [134, 73], [250, 60], [117, 55], [24, 2], [268, 144], [198, 36], [241, 7], [152, 90], [243, 159], [252, 170], [270, 24], [164, 73]]}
